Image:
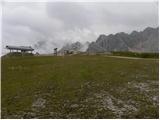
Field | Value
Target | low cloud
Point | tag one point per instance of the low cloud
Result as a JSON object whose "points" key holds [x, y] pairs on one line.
{"points": [[48, 25]]}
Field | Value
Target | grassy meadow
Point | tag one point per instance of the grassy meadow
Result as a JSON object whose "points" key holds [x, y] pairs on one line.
{"points": [[79, 87]]}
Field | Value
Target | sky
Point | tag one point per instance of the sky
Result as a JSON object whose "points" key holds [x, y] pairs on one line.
{"points": [[46, 25]]}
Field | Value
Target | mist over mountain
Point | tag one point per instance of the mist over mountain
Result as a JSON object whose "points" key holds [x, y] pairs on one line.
{"points": [[77, 46], [143, 41]]}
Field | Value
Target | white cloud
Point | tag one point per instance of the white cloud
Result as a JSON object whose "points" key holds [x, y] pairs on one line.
{"points": [[47, 25]]}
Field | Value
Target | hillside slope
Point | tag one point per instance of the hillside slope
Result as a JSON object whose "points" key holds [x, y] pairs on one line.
{"points": [[79, 87]]}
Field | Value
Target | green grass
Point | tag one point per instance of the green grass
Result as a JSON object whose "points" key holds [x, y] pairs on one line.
{"points": [[79, 87]]}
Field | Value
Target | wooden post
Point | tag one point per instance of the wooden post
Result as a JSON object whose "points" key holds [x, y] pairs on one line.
{"points": [[55, 51]]}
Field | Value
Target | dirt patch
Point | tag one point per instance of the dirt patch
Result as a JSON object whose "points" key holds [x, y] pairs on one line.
{"points": [[119, 107], [38, 104]]}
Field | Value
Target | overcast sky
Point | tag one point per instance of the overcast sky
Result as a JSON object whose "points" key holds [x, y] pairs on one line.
{"points": [[46, 25]]}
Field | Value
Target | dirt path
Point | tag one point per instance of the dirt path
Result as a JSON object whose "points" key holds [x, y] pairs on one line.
{"points": [[123, 57]]}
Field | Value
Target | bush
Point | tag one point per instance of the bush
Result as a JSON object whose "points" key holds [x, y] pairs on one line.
{"points": [[16, 54]]}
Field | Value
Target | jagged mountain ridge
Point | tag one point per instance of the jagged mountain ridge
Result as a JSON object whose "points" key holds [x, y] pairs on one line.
{"points": [[144, 41]]}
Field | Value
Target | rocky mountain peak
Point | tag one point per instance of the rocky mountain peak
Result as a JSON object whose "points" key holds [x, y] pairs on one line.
{"points": [[144, 41]]}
